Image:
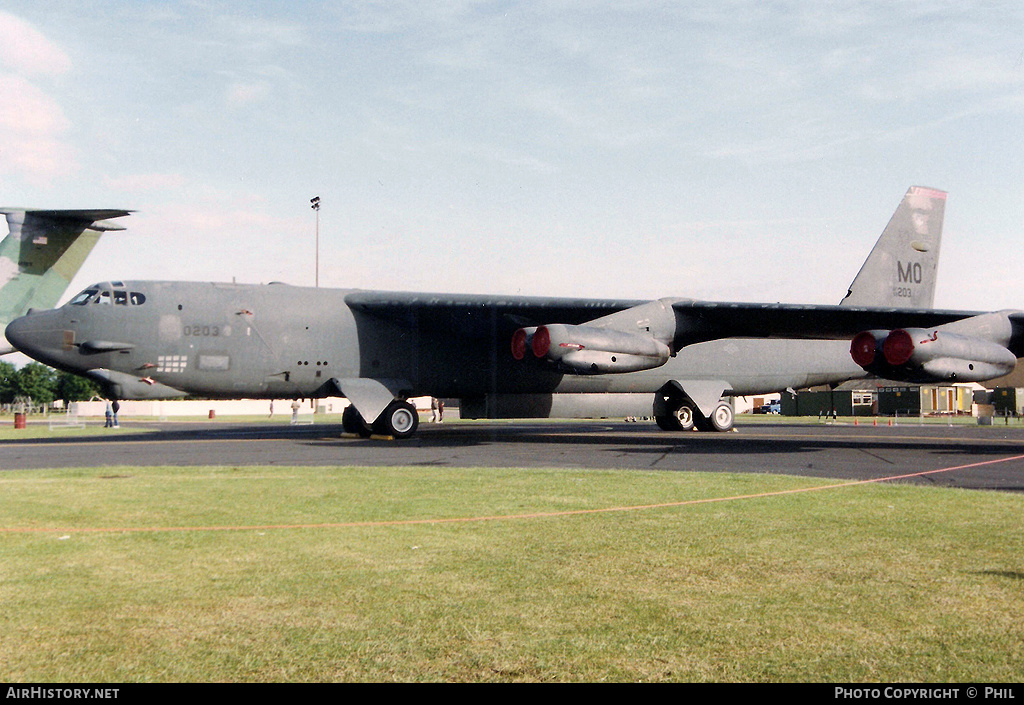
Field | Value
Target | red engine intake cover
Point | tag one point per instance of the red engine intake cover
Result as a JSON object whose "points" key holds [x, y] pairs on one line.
{"points": [[519, 344], [863, 349], [898, 348], [541, 341]]}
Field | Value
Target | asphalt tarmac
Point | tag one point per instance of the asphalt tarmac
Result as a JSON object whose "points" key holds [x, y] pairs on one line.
{"points": [[951, 456]]}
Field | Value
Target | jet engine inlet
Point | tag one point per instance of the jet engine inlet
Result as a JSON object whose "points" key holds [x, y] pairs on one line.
{"points": [[898, 348], [590, 350], [864, 349], [522, 339], [541, 342]]}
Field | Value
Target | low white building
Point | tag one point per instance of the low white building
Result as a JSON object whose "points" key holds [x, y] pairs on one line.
{"points": [[171, 408]]}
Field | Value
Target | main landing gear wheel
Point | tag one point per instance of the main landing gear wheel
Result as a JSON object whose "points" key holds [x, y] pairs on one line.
{"points": [[399, 420], [721, 419], [681, 418]]}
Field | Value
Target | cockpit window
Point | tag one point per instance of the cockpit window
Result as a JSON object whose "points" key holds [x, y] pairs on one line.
{"points": [[118, 296], [84, 297]]}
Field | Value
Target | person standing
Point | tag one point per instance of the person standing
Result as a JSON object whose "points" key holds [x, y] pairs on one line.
{"points": [[108, 414], [115, 406]]}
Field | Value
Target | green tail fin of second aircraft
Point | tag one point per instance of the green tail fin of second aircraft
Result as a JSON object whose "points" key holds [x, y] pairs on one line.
{"points": [[901, 269], [42, 254]]}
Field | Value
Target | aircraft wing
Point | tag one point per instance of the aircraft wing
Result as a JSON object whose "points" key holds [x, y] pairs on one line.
{"points": [[700, 321], [478, 317]]}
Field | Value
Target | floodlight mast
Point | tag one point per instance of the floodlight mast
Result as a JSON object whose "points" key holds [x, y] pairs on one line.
{"points": [[315, 204]]}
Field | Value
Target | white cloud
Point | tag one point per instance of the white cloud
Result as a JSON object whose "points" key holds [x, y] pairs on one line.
{"points": [[27, 110], [31, 128], [32, 122], [145, 182], [25, 50], [39, 160]]}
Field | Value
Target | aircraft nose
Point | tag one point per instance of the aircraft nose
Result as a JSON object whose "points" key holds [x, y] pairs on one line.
{"points": [[17, 332], [34, 334]]}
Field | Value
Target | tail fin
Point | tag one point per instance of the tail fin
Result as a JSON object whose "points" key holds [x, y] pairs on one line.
{"points": [[42, 254], [900, 271]]}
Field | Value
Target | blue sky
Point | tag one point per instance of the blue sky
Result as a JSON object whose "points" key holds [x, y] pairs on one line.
{"points": [[747, 151]]}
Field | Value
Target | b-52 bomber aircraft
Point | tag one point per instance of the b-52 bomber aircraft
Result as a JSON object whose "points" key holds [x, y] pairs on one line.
{"points": [[521, 356]]}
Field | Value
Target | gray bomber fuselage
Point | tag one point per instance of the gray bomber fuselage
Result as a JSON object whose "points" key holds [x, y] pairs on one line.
{"points": [[527, 356], [216, 340], [276, 340]]}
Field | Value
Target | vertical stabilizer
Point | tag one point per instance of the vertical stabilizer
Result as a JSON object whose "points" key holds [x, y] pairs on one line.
{"points": [[42, 254], [900, 271]]}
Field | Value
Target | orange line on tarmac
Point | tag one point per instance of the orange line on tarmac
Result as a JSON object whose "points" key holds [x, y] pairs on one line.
{"points": [[502, 517], [154, 441]]}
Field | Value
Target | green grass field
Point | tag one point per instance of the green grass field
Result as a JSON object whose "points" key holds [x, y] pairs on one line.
{"points": [[859, 583]]}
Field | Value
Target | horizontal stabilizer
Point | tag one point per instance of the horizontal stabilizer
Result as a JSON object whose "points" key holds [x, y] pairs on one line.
{"points": [[87, 219]]}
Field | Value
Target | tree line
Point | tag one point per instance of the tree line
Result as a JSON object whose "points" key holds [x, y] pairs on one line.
{"points": [[43, 384]]}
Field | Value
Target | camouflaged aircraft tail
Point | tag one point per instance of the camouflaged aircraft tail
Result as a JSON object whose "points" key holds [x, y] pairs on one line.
{"points": [[42, 254]]}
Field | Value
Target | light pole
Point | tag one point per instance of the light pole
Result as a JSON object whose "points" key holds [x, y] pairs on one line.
{"points": [[315, 202]]}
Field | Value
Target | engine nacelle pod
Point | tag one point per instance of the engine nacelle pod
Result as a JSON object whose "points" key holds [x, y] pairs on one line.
{"points": [[951, 368], [590, 350], [594, 362], [943, 355], [915, 354]]}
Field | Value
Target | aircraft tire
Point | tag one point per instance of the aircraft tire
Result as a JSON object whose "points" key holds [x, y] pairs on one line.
{"points": [[682, 418], [400, 420], [352, 422], [721, 419]]}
